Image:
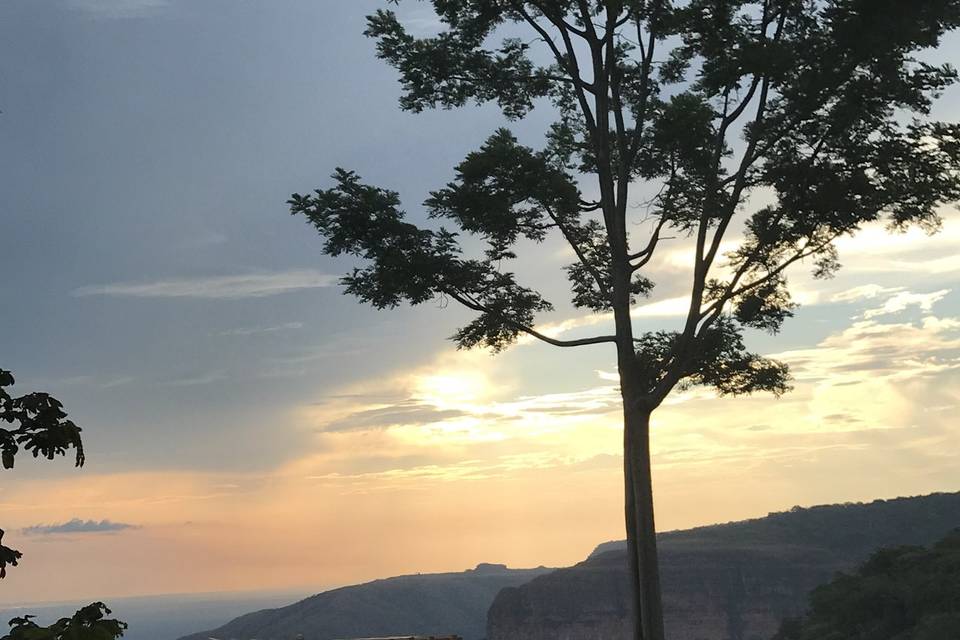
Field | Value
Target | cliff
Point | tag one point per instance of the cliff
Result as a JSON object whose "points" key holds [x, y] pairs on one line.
{"points": [[723, 582]]}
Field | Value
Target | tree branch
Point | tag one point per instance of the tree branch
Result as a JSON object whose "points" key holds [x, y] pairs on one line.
{"points": [[712, 312], [748, 157], [474, 305], [597, 276], [647, 253], [640, 118], [580, 85]]}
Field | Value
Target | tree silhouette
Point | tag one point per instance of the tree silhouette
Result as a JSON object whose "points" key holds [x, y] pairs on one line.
{"points": [[40, 426], [795, 121], [88, 623]]}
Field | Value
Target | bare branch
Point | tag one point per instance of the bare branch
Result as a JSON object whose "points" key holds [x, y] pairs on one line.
{"points": [[646, 64], [580, 85], [567, 233], [647, 253]]}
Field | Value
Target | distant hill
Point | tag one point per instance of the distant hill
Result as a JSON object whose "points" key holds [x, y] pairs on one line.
{"points": [[427, 604], [852, 528], [732, 581]]}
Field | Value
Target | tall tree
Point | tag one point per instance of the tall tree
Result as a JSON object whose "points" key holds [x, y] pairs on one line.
{"points": [[794, 121]]}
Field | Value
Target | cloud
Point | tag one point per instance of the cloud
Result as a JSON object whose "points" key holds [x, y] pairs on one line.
{"points": [[254, 285], [864, 292], [904, 300], [875, 249], [117, 382], [251, 331], [892, 351], [406, 413], [475, 469], [192, 381], [119, 9], [77, 525]]}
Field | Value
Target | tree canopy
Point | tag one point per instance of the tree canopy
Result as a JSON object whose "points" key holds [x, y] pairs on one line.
{"points": [[88, 623], [760, 130], [802, 120], [903, 593]]}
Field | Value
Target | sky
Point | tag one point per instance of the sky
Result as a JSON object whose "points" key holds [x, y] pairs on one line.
{"points": [[248, 427]]}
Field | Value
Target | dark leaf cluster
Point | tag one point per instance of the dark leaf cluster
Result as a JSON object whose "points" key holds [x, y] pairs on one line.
{"points": [[404, 263], [88, 623], [454, 68], [8, 556], [717, 358], [40, 426]]}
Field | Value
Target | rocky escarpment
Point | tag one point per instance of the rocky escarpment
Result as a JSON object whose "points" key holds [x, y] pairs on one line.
{"points": [[735, 594], [726, 582]]}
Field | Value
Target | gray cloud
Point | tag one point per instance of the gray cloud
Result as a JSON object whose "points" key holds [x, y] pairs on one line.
{"points": [[400, 414], [77, 526], [254, 285]]}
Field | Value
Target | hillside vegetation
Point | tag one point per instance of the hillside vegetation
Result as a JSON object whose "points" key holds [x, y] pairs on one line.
{"points": [[902, 593]]}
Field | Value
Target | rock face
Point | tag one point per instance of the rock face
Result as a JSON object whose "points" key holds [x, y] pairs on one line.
{"points": [[437, 604], [725, 582]]}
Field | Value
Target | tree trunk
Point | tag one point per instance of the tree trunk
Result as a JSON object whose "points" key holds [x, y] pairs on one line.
{"points": [[641, 531], [631, 522]]}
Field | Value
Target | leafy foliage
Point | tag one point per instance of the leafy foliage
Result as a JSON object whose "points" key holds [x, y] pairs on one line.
{"points": [[414, 265], [41, 427], [88, 623], [821, 104], [904, 593], [718, 358], [8, 556]]}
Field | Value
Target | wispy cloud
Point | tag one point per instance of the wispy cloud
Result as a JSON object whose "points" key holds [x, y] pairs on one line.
{"points": [[880, 351], [118, 9], [254, 285], [252, 331], [77, 525], [192, 381], [863, 292], [116, 382], [904, 300], [404, 413]]}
